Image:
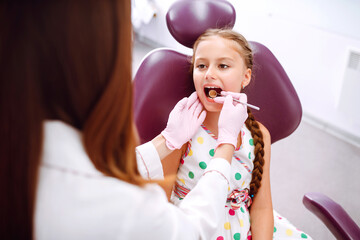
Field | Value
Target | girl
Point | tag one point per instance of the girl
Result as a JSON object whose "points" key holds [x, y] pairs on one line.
{"points": [[222, 61]]}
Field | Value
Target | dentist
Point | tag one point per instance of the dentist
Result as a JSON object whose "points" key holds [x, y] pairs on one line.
{"points": [[68, 164]]}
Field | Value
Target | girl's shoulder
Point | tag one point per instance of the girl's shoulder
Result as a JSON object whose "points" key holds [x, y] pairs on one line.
{"points": [[265, 132]]}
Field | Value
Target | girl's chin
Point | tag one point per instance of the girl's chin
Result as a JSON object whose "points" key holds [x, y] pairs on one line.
{"points": [[213, 107]]}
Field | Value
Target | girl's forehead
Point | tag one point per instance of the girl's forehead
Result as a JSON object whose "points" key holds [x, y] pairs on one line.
{"points": [[218, 40], [218, 43]]}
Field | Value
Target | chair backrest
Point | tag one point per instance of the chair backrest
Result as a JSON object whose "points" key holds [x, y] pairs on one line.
{"points": [[164, 78]]}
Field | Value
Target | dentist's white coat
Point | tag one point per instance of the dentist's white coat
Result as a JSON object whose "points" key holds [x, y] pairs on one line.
{"points": [[76, 201]]}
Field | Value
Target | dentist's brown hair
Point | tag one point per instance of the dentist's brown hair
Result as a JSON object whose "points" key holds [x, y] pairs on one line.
{"points": [[67, 60]]}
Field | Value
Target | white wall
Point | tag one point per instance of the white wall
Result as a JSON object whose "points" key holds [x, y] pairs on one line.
{"points": [[310, 38], [156, 30]]}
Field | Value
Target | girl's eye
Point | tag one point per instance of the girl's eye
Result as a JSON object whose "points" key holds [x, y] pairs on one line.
{"points": [[201, 66], [223, 66]]}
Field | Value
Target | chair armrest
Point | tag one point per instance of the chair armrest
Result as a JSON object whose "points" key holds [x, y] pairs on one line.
{"points": [[332, 215]]}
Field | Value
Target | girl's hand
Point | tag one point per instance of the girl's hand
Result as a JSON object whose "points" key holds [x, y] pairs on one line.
{"points": [[183, 122], [232, 118]]}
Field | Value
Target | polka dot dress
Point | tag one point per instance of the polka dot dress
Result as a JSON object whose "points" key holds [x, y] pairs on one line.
{"points": [[236, 218]]}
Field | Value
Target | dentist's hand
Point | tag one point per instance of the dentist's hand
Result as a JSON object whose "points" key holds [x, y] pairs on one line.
{"points": [[232, 117], [184, 120], [238, 96]]}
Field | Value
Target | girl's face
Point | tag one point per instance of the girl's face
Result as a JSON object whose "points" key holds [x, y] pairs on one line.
{"points": [[218, 64]]}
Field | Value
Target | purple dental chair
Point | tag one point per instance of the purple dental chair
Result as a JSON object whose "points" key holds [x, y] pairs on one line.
{"points": [[164, 78]]}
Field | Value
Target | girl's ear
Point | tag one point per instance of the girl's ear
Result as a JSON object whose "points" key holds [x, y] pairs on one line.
{"points": [[247, 78]]}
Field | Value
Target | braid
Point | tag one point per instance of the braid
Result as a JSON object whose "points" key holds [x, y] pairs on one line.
{"points": [[257, 136]]}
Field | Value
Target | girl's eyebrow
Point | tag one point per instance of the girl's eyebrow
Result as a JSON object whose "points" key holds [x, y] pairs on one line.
{"points": [[218, 59], [226, 58], [200, 59]]}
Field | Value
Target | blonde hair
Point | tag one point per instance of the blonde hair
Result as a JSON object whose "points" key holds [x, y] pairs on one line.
{"points": [[245, 51]]}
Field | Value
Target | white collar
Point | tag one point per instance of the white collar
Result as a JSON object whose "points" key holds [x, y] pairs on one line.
{"points": [[63, 149]]}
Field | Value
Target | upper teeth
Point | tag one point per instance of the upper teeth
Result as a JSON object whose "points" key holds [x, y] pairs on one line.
{"points": [[210, 87]]}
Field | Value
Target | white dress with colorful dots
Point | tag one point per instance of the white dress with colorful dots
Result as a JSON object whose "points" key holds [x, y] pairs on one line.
{"points": [[236, 220]]}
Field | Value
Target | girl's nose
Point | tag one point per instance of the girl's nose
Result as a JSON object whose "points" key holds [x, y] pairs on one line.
{"points": [[210, 74]]}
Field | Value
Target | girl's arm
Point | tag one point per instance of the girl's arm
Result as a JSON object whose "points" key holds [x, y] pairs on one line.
{"points": [[165, 153], [170, 160], [155, 160], [261, 211]]}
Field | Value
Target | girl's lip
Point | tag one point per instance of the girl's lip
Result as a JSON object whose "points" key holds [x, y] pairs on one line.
{"points": [[209, 99], [211, 85]]}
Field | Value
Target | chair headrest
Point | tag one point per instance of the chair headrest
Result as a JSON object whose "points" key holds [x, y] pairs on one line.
{"points": [[188, 19]]}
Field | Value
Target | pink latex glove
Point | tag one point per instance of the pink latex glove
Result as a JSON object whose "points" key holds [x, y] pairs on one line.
{"points": [[184, 120], [232, 117]]}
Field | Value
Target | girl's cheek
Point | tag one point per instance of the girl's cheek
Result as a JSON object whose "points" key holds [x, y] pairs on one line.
{"points": [[233, 86], [197, 81], [197, 85]]}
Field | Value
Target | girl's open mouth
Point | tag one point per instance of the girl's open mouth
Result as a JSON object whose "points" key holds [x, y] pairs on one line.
{"points": [[212, 92]]}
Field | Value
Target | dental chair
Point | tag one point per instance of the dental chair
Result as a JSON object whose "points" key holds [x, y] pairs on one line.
{"points": [[164, 77], [336, 219]]}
